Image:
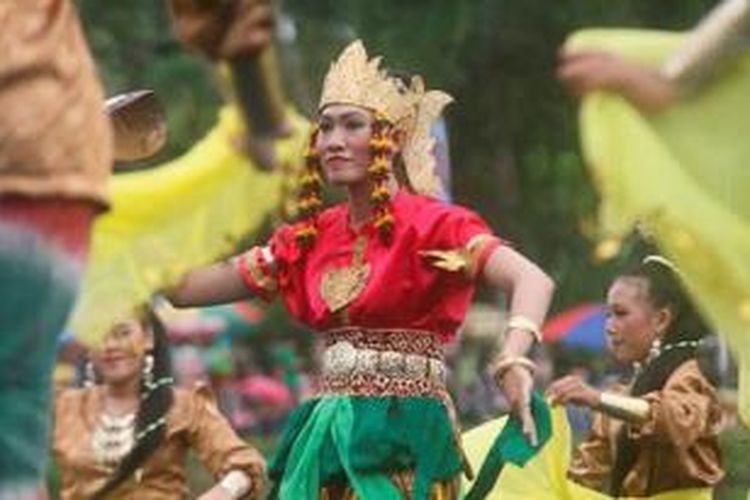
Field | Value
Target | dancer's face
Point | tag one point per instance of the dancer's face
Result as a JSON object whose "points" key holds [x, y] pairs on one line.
{"points": [[344, 143], [632, 320], [120, 357]]}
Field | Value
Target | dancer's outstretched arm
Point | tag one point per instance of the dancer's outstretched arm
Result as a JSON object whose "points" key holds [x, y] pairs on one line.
{"points": [[213, 284], [529, 291]]}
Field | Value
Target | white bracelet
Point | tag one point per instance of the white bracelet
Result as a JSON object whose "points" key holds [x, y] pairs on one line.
{"points": [[519, 322], [236, 482]]}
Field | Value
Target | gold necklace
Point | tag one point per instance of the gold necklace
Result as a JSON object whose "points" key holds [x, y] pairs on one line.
{"points": [[340, 286]]}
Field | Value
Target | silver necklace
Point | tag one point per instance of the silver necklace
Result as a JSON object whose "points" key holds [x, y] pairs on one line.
{"points": [[113, 438]]}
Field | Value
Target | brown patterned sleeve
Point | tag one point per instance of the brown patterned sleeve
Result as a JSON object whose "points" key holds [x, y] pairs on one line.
{"points": [[592, 461], [684, 411], [61, 411], [218, 447]]}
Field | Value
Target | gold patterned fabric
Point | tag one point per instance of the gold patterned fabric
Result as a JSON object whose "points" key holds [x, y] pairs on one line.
{"points": [[254, 266], [55, 138], [404, 480], [369, 362], [193, 423], [468, 260], [677, 446], [340, 286]]}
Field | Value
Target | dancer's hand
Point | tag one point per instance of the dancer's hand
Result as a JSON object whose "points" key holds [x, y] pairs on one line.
{"points": [[585, 71], [572, 389], [517, 383]]}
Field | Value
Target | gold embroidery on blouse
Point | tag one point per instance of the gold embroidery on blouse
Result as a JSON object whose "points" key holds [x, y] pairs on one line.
{"points": [[340, 286], [259, 275], [454, 261], [459, 260]]}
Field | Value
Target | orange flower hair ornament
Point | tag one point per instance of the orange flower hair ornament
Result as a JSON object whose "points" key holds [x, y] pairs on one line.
{"points": [[310, 198]]}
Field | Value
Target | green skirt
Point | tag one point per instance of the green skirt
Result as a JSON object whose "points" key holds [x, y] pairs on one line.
{"points": [[360, 440]]}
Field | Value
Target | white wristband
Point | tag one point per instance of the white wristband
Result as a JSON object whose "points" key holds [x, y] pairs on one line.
{"points": [[236, 482]]}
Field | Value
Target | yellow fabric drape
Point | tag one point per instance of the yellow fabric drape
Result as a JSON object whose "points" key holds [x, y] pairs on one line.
{"points": [[544, 477], [169, 219], [684, 173]]}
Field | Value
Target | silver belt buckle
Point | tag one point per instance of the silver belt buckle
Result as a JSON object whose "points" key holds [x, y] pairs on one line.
{"points": [[367, 362], [437, 370], [415, 366], [391, 363], [340, 358]]}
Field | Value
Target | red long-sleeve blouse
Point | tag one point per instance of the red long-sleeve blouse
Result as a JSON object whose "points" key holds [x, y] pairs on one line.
{"points": [[405, 289]]}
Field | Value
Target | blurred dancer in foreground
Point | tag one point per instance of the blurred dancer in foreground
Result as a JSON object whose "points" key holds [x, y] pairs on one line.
{"points": [[56, 148], [55, 157]]}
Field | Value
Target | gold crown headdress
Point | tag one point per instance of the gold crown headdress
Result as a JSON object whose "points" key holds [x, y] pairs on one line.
{"points": [[353, 79]]}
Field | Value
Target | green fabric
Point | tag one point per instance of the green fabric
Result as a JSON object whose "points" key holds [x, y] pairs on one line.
{"points": [[302, 479], [512, 446], [38, 284], [360, 440], [375, 485]]}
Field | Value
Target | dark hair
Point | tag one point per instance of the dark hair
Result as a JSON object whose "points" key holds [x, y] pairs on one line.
{"points": [[156, 399], [664, 290]]}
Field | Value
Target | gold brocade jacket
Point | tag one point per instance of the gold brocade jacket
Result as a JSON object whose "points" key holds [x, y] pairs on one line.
{"points": [[193, 423], [677, 447]]}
